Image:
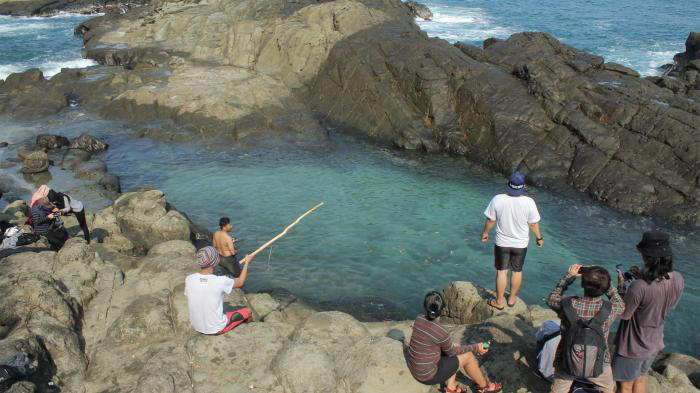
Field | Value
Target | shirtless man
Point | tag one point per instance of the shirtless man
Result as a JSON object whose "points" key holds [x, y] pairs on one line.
{"points": [[224, 244]]}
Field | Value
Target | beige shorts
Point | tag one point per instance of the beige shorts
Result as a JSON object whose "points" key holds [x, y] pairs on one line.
{"points": [[562, 382]]}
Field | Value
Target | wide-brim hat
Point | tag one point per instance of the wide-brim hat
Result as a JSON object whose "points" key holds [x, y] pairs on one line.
{"points": [[655, 244], [516, 184]]}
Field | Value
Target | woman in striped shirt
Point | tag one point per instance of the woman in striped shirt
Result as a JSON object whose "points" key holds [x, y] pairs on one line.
{"points": [[434, 359]]}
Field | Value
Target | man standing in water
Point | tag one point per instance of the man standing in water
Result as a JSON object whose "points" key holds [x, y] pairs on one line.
{"points": [[648, 301], [224, 244], [514, 215]]}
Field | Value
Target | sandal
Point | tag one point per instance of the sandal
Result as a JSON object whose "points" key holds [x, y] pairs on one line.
{"points": [[492, 303], [497, 387], [457, 389]]}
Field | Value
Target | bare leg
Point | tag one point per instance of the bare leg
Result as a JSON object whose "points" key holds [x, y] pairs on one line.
{"points": [[501, 282], [452, 382], [470, 367], [516, 278], [640, 385], [625, 387]]}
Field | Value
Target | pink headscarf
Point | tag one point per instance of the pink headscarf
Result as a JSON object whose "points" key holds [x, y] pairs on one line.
{"points": [[42, 192]]}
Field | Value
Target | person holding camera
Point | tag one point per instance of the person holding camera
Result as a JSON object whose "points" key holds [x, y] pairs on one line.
{"points": [[583, 352], [46, 222], [65, 204], [434, 359], [648, 300]]}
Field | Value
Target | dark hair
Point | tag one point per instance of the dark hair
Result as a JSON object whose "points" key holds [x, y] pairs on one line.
{"points": [[433, 305], [223, 221], [57, 199], [595, 281], [656, 268]]}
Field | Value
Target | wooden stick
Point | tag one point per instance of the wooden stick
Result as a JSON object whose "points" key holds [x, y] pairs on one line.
{"points": [[264, 246]]}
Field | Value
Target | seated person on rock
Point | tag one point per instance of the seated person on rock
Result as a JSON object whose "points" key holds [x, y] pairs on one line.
{"points": [[47, 223], [205, 295], [582, 353], [65, 204], [434, 359]]}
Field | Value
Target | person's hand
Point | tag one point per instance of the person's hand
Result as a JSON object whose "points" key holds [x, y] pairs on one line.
{"points": [[573, 269], [51, 216], [480, 350], [247, 259], [484, 237], [55, 210], [539, 242]]}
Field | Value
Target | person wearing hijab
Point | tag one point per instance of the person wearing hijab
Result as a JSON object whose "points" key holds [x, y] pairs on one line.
{"points": [[65, 204], [41, 192], [47, 223]]}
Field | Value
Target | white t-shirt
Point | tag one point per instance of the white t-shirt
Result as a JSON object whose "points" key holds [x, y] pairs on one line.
{"points": [[205, 299], [512, 216]]}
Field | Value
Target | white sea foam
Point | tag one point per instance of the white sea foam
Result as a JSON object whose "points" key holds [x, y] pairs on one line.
{"points": [[49, 69], [462, 24]]}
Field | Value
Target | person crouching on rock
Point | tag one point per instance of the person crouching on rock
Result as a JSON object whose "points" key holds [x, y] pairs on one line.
{"points": [[434, 359], [47, 223], [205, 294], [65, 204]]}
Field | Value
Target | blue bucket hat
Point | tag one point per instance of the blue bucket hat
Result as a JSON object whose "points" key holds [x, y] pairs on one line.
{"points": [[516, 184]]}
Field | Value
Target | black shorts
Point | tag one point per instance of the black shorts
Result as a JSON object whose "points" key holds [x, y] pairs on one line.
{"points": [[446, 368], [509, 258], [231, 265]]}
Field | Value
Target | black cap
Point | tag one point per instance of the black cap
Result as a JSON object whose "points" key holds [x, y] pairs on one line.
{"points": [[655, 244]]}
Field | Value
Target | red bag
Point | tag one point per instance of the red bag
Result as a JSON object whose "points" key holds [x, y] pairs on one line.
{"points": [[235, 318]]}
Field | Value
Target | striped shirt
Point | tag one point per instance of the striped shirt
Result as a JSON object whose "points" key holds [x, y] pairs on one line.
{"points": [[430, 341]]}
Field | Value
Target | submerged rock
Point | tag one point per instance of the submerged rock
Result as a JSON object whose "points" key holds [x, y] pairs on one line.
{"points": [[51, 141], [89, 144], [36, 162]]}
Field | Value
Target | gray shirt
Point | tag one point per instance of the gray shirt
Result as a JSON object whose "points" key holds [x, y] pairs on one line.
{"points": [[641, 331]]}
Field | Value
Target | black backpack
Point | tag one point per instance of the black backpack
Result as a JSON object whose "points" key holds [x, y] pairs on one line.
{"points": [[585, 346]]}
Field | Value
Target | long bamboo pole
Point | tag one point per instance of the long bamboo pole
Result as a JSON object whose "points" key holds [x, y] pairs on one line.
{"points": [[264, 246]]}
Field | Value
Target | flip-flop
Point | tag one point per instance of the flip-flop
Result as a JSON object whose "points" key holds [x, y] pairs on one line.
{"points": [[492, 303]]}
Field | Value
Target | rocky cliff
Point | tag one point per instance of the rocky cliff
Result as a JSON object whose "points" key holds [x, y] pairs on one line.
{"points": [[256, 68], [112, 317]]}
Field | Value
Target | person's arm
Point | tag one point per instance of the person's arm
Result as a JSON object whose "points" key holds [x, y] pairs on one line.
{"points": [[533, 221], [457, 349], [488, 225], [632, 299], [240, 281], [231, 246], [66, 205], [535, 228], [618, 305], [554, 299]]}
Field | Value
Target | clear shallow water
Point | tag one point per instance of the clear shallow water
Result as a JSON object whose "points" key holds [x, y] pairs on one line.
{"points": [[393, 227], [44, 43], [642, 34]]}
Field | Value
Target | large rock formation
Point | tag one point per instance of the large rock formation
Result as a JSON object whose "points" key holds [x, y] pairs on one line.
{"points": [[254, 67], [94, 318]]}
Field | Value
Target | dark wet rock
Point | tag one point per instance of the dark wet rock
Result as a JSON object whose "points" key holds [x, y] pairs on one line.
{"points": [[35, 162], [4, 144], [94, 169], [551, 110], [89, 143], [74, 157], [490, 41], [48, 141], [110, 182], [419, 10], [692, 51]]}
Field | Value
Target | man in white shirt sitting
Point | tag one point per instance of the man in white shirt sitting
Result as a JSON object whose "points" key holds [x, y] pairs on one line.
{"points": [[514, 215], [205, 294]]}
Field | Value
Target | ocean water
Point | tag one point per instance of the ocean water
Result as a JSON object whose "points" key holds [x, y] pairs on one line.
{"points": [[394, 225], [641, 34], [37, 42]]}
